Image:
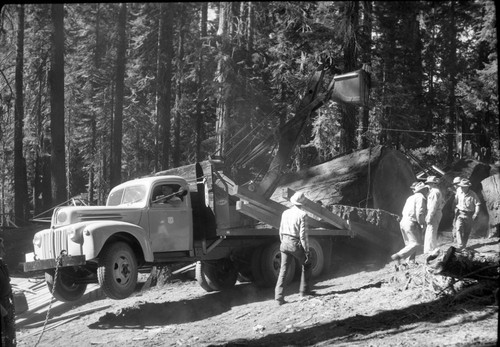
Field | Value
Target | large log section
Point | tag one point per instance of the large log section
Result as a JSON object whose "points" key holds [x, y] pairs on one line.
{"points": [[491, 195], [368, 187], [377, 178]]}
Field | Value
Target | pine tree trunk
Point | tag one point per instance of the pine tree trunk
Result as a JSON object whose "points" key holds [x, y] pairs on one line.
{"points": [[116, 153], [178, 95], [56, 78], [21, 208], [366, 59], [348, 112], [222, 100], [165, 81], [199, 96]]}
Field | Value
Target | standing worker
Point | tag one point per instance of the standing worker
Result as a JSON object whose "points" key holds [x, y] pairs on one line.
{"points": [[294, 244], [455, 190], [435, 204], [413, 222], [468, 209]]}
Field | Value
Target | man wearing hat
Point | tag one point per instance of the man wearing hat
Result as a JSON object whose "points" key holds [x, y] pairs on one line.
{"points": [[435, 204], [455, 189], [413, 222], [294, 244], [468, 209]]}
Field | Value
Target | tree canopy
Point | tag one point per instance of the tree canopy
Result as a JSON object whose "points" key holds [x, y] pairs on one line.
{"points": [[95, 94]]}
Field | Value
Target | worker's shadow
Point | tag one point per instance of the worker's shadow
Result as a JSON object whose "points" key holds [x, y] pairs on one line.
{"points": [[144, 314]]}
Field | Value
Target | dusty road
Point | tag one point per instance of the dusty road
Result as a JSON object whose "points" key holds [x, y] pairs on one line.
{"points": [[358, 304]]}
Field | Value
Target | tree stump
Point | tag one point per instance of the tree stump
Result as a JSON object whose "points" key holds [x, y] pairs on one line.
{"points": [[466, 264]]}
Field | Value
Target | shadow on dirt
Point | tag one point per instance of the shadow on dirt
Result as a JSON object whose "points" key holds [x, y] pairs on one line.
{"points": [[357, 328], [184, 311]]}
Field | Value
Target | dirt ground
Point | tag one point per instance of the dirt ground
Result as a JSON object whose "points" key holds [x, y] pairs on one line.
{"points": [[360, 302]]}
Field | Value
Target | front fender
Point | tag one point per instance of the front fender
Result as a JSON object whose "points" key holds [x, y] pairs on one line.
{"points": [[96, 234]]}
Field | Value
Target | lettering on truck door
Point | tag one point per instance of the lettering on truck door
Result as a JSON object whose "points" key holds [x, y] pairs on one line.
{"points": [[169, 220]]}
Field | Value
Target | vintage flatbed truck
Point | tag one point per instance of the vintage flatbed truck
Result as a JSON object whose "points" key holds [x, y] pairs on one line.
{"points": [[226, 228]]}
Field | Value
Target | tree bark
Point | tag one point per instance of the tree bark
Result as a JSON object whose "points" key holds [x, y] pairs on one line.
{"points": [[21, 207], [116, 153], [366, 59], [221, 127], [454, 128], [178, 96], [56, 78], [491, 195], [199, 96], [348, 112], [165, 81]]}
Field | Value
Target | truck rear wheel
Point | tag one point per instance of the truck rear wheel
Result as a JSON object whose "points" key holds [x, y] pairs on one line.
{"points": [[220, 274], [271, 264], [65, 289], [200, 277], [117, 271], [317, 257], [256, 267]]}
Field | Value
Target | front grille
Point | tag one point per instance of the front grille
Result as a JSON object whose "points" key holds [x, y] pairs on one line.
{"points": [[53, 243]]}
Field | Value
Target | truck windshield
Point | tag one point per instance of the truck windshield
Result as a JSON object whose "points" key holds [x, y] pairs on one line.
{"points": [[134, 195]]}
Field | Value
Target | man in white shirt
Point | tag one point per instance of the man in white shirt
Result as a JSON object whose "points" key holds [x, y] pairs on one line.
{"points": [[468, 205], [294, 244], [413, 222], [435, 204]]}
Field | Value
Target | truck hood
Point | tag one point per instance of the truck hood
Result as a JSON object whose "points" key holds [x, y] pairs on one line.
{"points": [[74, 214]]}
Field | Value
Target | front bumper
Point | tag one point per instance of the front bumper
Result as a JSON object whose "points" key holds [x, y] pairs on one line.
{"points": [[51, 263]]}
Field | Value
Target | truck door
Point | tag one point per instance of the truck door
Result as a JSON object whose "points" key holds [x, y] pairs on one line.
{"points": [[170, 221]]}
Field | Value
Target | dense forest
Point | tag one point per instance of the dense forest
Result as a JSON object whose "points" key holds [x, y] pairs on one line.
{"points": [[95, 94]]}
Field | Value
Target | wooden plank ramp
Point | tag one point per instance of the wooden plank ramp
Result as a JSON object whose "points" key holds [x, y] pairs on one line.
{"points": [[39, 300]]}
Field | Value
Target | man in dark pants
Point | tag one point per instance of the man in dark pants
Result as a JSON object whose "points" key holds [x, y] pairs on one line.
{"points": [[294, 244]]}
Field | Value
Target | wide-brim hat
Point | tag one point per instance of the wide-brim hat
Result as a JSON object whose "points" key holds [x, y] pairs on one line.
{"points": [[297, 198], [432, 179], [413, 185], [419, 186], [457, 180], [464, 182]]}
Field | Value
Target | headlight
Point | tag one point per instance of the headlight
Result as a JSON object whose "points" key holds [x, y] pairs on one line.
{"points": [[37, 240], [61, 217]]}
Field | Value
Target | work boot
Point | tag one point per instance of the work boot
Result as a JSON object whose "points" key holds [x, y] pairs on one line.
{"points": [[280, 301]]}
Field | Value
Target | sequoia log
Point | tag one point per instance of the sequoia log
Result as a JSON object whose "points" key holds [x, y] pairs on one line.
{"points": [[377, 178], [491, 195]]}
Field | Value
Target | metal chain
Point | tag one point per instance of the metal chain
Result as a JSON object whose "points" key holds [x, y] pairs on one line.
{"points": [[58, 264]]}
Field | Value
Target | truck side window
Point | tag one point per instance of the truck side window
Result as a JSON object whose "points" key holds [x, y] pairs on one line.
{"points": [[166, 194]]}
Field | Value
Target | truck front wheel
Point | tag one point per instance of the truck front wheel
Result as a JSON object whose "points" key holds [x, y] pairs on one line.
{"points": [[65, 288], [117, 271], [200, 276]]}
